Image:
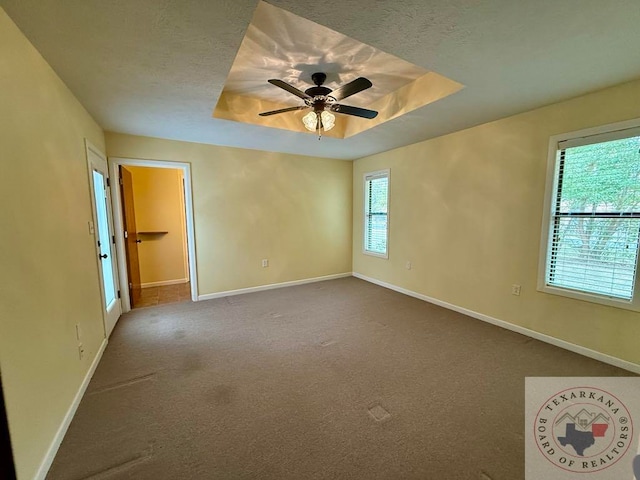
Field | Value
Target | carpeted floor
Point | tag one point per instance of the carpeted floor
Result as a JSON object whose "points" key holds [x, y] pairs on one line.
{"points": [[333, 380]]}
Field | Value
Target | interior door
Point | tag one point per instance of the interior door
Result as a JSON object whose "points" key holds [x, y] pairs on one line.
{"points": [[131, 236], [104, 238]]}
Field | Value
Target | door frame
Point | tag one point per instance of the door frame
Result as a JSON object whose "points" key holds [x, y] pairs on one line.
{"points": [[114, 164], [6, 450], [115, 254]]}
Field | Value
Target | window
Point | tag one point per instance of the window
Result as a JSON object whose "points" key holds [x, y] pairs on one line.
{"points": [[376, 213], [593, 217]]}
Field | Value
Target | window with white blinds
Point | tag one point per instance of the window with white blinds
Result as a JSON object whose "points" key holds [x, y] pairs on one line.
{"points": [[594, 223], [376, 213]]}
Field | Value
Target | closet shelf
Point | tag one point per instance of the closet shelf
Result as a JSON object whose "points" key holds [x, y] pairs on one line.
{"points": [[153, 232]]}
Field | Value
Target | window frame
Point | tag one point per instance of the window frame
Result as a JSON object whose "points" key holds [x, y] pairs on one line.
{"points": [[367, 177], [614, 130]]}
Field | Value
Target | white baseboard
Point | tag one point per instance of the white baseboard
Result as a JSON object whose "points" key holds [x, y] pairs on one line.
{"points": [[210, 296], [164, 282], [64, 426], [587, 352]]}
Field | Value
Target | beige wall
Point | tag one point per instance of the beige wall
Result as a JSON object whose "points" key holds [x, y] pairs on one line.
{"points": [[250, 205], [159, 206], [466, 211], [49, 276]]}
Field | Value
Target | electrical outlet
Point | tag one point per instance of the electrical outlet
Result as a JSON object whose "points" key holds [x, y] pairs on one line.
{"points": [[515, 289], [265, 262], [92, 229], [408, 265], [80, 351]]}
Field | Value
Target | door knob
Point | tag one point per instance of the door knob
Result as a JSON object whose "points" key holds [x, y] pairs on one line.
{"points": [[138, 241], [104, 255]]}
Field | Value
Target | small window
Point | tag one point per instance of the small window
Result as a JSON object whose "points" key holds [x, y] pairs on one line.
{"points": [[376, 213], [591, 249]]}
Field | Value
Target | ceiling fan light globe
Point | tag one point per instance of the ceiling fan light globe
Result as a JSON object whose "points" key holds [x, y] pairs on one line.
{"points": [[310, 121], [328, 120]]}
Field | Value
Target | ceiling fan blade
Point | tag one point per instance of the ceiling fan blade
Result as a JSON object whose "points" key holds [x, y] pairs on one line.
{"points": [[356, 111], [282, 110], [289, 88], [351, 88]]}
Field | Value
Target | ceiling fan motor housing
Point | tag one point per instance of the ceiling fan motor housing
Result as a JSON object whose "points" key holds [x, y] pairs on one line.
{"points": [[317, 91]]}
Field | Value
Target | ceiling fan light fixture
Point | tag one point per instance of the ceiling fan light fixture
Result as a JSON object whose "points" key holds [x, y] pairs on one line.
{"points": [[310, 121], [328, 120]]}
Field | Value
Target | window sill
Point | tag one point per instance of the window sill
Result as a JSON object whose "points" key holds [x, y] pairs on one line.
{"points": [[374, 254], [590, 297]]}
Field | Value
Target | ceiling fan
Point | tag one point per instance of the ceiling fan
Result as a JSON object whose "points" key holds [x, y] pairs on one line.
{"points": [[322, 101]]}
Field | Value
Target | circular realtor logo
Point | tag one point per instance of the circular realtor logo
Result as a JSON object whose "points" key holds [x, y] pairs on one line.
{"points": [[583, 429]]}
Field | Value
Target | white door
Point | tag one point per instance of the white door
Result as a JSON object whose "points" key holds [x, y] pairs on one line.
{"points": [[103, 236]]}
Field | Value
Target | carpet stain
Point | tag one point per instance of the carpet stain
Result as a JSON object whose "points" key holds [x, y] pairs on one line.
{"points": [[326, 343], [378, 412], [179, 334], [220, 394], [124, 383], [121, 467]]}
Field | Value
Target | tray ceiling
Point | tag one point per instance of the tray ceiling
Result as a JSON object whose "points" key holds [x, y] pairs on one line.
{"points": [[279, 44]]}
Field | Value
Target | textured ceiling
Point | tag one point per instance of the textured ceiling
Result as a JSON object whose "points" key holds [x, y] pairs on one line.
{"points": [[157, 67]]}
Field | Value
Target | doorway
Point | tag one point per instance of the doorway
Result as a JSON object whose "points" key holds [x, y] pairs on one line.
{"points": [[154, 231], [103, 230]]}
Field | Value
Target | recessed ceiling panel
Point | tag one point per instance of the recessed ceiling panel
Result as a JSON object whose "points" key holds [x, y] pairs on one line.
{"points": [[281, 45]]}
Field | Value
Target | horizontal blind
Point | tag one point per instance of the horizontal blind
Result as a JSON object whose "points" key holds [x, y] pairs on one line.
{"points": [[595, 228], [376, 214]]}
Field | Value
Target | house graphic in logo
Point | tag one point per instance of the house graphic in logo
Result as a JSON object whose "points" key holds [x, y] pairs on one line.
{"points": [[582, 429]]}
